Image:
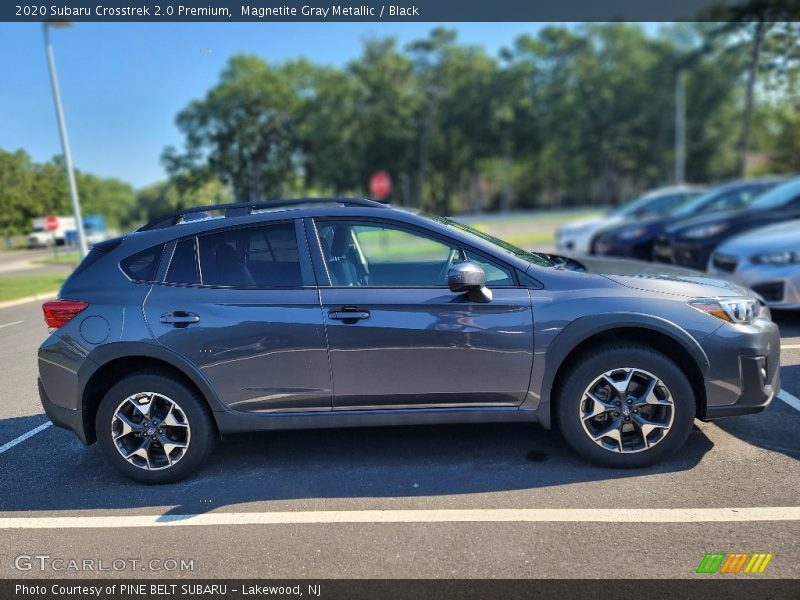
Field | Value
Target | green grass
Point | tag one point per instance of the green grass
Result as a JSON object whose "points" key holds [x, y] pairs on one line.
{"points": [[62, 258], [15, 287]]}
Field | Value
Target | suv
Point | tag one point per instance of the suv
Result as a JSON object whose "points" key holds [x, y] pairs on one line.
{"points": [[338, 313]]}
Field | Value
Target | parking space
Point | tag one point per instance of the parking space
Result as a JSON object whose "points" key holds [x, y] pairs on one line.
{"points": [[432, 472]]}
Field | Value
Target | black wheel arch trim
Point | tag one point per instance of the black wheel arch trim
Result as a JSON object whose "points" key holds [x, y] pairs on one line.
{"points": [[583, 328], [102, 355]]}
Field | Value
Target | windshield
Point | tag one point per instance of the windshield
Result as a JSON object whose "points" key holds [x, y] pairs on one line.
{"points": [[532, 257], [778, 196]]}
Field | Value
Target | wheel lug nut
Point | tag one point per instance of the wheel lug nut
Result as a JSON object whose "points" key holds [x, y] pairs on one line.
{"points": [[617, 402], [616, 414], [627, 418], [636, 411], [630, 401]]}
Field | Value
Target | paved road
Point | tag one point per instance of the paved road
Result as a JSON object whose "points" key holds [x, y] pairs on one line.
{"points": [[744, 462], [24, 262]]}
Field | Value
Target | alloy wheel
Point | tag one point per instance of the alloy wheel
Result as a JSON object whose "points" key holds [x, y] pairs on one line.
{"points": [[150, 431], [627, 410]]}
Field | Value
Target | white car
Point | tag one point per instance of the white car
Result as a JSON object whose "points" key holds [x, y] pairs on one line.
{"points": [[767, 260], [576, 237]]}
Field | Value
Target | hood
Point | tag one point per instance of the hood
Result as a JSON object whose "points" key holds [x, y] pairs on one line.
{"points": [[709, 219], [651, 225], [663, 279], [589, 224], [774, 238]]}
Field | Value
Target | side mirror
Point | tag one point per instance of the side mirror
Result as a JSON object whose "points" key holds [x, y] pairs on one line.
{"points": [[468, 277]]}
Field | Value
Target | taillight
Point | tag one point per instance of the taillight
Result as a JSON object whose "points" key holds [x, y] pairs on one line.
{"points": [[60, 312]]}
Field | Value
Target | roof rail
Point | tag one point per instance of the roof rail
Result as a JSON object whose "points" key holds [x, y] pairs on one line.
{"points": [[238, 209]]}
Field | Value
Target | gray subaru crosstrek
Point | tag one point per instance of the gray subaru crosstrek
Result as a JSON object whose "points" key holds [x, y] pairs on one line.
{"points": [[338, 313]]}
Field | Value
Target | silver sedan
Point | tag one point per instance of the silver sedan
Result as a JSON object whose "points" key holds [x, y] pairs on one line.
{"points": [[767, 260]]}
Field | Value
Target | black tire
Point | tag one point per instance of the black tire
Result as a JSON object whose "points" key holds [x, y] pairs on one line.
{"points": [[592, 365], [203, 434]]}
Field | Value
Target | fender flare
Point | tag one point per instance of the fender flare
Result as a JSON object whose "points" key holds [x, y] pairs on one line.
{"points": [[102, 355], [583, 328]]}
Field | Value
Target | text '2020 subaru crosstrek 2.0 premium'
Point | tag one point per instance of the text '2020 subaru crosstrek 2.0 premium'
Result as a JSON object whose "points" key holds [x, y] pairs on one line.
{"points": [[334, 313]]}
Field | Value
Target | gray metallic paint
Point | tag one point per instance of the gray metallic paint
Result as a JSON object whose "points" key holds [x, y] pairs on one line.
{"points": [[462, 341]]}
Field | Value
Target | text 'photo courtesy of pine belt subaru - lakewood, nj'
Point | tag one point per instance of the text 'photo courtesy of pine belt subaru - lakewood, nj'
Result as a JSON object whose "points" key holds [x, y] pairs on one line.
{"points": [[337, 313]]}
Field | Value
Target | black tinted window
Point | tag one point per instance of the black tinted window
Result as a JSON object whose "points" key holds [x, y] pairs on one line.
{"points": [[183, 267], [261, 257], [143, 265]]}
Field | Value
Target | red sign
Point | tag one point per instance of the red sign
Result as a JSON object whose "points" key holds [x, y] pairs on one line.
{"points": [[51, 223], [380, 184]]}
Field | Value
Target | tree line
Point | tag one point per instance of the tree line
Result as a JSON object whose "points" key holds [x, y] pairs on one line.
{"points": [[565, 117]]}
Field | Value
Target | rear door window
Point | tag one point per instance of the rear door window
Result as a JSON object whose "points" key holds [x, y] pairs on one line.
{"points": [[252, 257], [183, 267]]}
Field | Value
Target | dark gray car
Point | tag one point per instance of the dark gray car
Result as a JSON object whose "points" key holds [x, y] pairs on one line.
{"points": [[337, 313]]}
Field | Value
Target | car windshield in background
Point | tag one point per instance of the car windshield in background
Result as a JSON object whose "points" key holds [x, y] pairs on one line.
{"points": [[778, 196], [531, 257]]}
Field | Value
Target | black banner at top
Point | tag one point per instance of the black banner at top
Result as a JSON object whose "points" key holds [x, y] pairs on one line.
{"points": [[154, 11]]}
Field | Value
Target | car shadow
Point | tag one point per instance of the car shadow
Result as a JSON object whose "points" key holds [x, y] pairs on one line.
{"points": [[53, 471], [774, 429]]}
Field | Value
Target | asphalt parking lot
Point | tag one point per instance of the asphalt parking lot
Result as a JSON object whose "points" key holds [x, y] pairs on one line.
{"points": [[404, 491]]}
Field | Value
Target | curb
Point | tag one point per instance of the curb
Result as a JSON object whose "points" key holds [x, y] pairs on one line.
{"points": [[26, 299]]}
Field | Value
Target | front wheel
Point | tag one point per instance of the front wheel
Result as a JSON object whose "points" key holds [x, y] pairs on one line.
{"points": [[625, 406], [153, 428]]}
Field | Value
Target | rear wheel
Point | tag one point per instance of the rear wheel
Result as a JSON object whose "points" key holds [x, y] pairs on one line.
{"points": [[153, 428], [625, 406]]}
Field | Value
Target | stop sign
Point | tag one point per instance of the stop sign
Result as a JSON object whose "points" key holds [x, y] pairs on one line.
{"points": [[51, 223], [380, 184]]}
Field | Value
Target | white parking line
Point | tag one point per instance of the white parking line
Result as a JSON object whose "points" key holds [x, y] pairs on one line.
{"points": [[790, 347], [10, 324], [791, 400], [24, 436], [524, 515]]}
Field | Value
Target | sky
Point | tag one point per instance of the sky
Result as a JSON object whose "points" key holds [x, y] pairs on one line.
{"points": [[123, 83]]}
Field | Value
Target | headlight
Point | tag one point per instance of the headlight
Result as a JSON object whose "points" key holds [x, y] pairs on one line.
{"points": [[704, 231], [742, 311], [632, 233], [776, 258]]}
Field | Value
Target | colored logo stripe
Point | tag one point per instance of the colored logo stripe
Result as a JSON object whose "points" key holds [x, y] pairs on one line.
{"points": [[734, 562]]}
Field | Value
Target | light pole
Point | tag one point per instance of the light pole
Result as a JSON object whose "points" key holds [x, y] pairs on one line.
{"points": [[680, 127], [62, 128]]}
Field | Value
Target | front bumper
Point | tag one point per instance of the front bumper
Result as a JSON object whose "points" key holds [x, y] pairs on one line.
{"points": [[62, 417], [642, 250], [744, 375], [691, 255]]}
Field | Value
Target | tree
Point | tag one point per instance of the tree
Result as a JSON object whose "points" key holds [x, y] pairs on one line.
{"points": [[244, 132], [764, 34]]}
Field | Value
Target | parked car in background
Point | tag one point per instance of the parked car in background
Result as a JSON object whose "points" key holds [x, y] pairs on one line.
{"points": [[575, 237], [690, 242], [767, 260], [41, 237], [339, 313], [636, 239]]}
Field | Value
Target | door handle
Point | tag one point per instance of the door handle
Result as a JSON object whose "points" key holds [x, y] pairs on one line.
{"points": [[179, 317], [348, 313]]}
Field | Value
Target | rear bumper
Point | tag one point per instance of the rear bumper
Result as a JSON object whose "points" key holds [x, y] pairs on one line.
{"points": [[62, 417]]}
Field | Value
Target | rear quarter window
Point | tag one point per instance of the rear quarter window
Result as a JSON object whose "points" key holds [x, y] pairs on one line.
{"points": [[143, 265]]}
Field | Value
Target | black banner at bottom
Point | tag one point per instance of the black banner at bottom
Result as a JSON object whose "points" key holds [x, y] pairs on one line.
{"points": [[400, 589]]}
